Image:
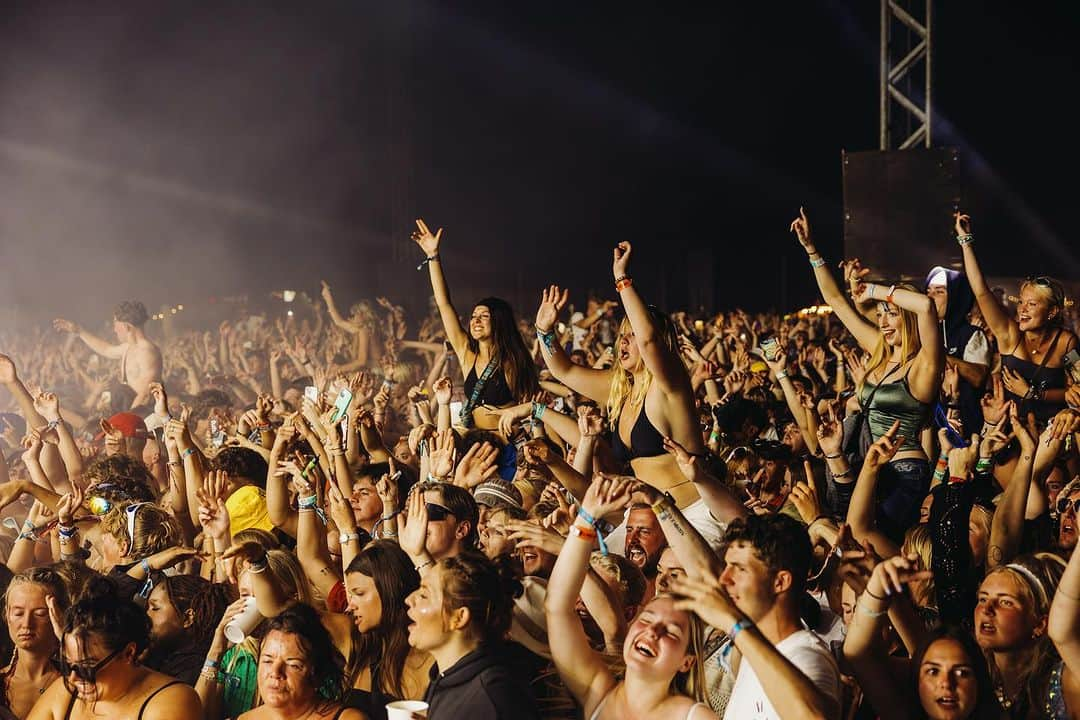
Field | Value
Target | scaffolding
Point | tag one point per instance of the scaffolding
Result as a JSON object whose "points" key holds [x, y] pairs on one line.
{"points": [[904, 102]]}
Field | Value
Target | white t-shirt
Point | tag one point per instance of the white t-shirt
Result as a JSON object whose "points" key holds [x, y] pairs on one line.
{"points": [[809, 654]]}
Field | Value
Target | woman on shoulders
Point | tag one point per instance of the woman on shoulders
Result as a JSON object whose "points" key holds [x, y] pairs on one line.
{"points": [[648, 392], [1033, 345], [498, 370]]}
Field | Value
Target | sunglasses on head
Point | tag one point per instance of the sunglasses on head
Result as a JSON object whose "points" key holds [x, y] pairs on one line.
{"points": [[1040, 280], [1064, 504], [131, 511], [435, 513], [86, 671]]}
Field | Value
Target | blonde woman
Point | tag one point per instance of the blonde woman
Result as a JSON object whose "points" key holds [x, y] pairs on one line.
{"points": [[663, 647], [648, 392], [1033, 345], [902, 378]]}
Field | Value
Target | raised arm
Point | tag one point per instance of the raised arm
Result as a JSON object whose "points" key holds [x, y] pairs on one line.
{"points": [[1007, 526], [926, 371], [689, 546], [429, 243], [335, 316], [101, 347], [865, 333], [1004, 328], [861, 512], [864, 650], [664, 364], [581, 669], [593, 384]]}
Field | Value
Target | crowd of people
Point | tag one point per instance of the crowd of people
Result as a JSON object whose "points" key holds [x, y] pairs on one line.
{"points": [[864, 511]]}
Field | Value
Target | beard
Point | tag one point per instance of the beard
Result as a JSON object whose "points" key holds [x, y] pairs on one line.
{"points": [[636, 554]]}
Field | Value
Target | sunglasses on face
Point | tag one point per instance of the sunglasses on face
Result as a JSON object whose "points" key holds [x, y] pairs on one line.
{"points": [[86, 670], [1064, 504], [435, 513]]}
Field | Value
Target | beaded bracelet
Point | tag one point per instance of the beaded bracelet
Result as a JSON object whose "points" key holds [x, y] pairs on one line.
{"points": [[965, 239]]}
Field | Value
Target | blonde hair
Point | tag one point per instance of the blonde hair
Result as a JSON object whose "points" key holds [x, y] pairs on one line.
{"points": [[917, 541], [153, 530], [623, 387], [909, 340], [1036, 577], [1054, 292]]}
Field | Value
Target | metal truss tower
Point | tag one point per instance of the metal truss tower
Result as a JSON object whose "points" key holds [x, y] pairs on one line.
{"points": [[905, 49]]}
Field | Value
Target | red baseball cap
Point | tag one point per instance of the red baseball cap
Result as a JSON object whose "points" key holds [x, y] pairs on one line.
{"points": [[129, 424]]}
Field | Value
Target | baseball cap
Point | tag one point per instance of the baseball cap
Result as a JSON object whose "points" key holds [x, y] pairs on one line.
{"points": [[129, 424]]}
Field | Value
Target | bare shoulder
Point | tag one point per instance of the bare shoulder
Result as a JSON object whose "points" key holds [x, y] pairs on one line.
{"points": [[175, 702]]}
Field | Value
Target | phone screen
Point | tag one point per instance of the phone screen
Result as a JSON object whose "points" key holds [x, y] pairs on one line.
{"points": [[311, 393]]}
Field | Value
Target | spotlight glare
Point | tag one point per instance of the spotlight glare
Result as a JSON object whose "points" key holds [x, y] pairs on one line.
{"points": [[289, 313], [288, 295]]}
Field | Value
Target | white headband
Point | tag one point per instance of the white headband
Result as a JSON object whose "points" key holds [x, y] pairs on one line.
{"points": [[1032, 581]]}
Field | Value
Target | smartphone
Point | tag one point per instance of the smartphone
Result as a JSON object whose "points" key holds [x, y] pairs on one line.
{"points": [[311, 393], [341, 405], [769, 346], [217, 435], [455, 411]]}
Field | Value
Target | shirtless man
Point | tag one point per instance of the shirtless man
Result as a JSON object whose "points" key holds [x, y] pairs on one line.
{"points": [[140, 359]]}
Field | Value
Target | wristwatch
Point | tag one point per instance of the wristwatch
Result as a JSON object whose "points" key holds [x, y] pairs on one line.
{"points": [[344, 538]]}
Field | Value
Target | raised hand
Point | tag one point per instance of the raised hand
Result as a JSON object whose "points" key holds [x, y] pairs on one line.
{"points": [[962, 460], [444, 389], [993, 403], [1014, 382], [707, 599], [890, 576], [48, 405], [442, 453], [590, 422], [66, 326], [801, 227], [607, 494], [804, 496], [477, 465], [413, 536], [68, 504], [529, 533], [427, 241], [340, 510], [387, 489], [687, 463], [538, 452], [962, 223], [552, 301], [161, 399], [830, 434], [620, 259], [884, 448]]}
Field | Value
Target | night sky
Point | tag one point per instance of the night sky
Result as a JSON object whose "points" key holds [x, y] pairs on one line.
{"points": [[177, 152]]}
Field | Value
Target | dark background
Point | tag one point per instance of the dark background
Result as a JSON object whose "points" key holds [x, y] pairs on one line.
{"points": [[179, 153]]}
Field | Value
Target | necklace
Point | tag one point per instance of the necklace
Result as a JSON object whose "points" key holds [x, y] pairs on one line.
{"points": [[1005, 702]]}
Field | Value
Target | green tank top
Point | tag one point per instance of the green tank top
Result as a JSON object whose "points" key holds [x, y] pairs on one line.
{"points": [[893, 401]]}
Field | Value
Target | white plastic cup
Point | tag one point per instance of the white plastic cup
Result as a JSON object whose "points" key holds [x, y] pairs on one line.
{"points": [[239, 627], [404, 709]]}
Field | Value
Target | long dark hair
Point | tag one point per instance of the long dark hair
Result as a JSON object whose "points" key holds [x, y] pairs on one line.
{"points": [[207, 602], [385, 648], [986, 705], [514, 357], [114, 620]]}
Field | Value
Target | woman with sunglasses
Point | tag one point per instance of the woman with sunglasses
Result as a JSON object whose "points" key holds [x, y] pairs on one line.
{"points": [[1033, 345], [902, 377], [102, 639]]}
